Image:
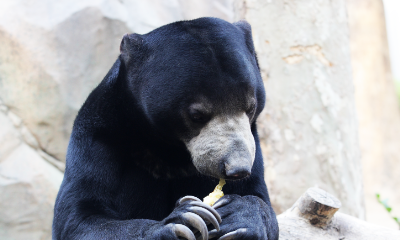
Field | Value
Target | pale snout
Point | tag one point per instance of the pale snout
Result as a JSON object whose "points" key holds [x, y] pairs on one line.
{"points": [[225, 148], [238, 162]]}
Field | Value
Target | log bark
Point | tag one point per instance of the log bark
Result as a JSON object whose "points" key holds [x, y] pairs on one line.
{"points": [[318, 207], [314, 216]]}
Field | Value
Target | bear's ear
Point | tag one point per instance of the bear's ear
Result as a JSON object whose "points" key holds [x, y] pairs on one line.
{"points": [[129, 45], [245, 27]]}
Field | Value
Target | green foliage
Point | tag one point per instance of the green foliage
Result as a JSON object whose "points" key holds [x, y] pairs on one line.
{"points": [[387, 207]]}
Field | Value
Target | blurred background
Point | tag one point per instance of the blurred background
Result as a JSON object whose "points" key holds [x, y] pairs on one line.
{"points": [[330, 69]]}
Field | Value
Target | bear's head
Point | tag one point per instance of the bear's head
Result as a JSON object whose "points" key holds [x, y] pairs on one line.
{"points": [[198, 82]]}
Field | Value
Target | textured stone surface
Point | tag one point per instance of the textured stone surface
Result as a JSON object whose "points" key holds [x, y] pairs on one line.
{"points": [[309, 128], [53, 53], [377, 108], [28, 184]]}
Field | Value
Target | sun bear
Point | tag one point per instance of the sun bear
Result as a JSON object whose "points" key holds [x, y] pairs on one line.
{"points": [[176, 112]]}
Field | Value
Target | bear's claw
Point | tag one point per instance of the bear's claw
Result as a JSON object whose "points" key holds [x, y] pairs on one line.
{"points": [[182, 231], [221, 203], [197, 222], [191, 216], [205, 215], [198, 203], [188, 198], [212, 210], [234, 235]]}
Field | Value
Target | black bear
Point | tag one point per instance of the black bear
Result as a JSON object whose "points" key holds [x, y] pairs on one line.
{"points": [[176, 112]]}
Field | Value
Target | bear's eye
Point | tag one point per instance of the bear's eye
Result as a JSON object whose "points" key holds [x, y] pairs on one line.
{"points": [[198, 116]]}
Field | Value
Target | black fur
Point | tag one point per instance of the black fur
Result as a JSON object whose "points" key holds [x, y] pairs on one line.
{"points": [[126, 162]]}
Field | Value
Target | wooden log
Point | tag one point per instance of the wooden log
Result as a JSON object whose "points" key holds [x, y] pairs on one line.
{"points": [[315, 216], [318, 207]]}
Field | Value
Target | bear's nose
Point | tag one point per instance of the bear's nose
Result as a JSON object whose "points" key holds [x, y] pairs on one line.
{"points": [[237, 173], [237, 163]]}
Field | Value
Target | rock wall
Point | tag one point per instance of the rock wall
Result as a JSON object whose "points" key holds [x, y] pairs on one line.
{"points": [[309, 126], [28, 183], [53, 53], [377, 108]]}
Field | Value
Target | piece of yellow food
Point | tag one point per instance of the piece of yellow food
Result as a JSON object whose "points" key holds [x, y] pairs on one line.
{"points": [[216, 194]]}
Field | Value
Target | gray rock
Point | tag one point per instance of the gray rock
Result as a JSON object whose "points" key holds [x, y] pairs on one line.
{"points": [[309, 129], [53, 53], [28, 187]]}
